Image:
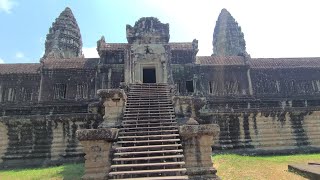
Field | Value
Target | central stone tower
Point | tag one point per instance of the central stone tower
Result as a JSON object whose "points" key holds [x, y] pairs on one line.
{"points": [[149, 60], [64, 38]]}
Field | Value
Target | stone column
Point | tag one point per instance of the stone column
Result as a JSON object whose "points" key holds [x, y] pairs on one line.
{"points": [[97, 145], [113, 101], [197, 141]]}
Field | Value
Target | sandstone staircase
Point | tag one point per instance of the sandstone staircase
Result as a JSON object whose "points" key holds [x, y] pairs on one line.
{"points": [[148, 145]]}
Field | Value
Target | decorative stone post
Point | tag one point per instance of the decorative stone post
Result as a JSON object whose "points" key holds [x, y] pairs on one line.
{"points": [[113, 101], [197, 141], [97, 145]]}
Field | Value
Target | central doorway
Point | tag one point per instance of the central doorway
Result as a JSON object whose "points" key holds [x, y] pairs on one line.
{"points": [[149, 75]]}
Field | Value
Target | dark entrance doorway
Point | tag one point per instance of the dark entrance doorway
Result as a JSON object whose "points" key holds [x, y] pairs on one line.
{"points": [[149, 75]]}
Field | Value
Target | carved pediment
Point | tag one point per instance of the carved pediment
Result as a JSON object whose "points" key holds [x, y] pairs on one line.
{"points": [[148, 30]]}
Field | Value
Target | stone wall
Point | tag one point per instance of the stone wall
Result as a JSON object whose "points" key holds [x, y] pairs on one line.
{"points": [[17, 88], [286, 82], [72, 79], [212, 81], [277, 132], [38, 140], [261, 129], [110, 76]]}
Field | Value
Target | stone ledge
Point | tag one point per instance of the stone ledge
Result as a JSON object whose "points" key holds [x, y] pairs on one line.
{"points": [[107, 134], [196, 130], [109, 93], [193, 171]]}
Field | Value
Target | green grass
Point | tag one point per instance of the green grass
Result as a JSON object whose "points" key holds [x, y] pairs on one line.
{"points": [[67, 172], [229, 167], [259, 167]]}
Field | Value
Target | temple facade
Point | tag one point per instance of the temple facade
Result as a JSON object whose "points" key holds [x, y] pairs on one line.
{"points": [[262, 105]]}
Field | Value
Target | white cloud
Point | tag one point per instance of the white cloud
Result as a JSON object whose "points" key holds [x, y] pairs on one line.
{"points": [[1, 61], [7, 5], [90, 52], [19, 55]]}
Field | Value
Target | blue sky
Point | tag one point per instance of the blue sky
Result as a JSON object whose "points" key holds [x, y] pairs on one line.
{"points": [[273, 28]]}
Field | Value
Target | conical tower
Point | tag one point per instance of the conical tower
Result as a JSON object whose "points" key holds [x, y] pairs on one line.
{"points": [[64, 38], [228, 39]]}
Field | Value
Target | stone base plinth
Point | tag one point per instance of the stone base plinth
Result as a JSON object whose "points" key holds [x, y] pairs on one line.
{"points": [[197, 141], [97, 145]]}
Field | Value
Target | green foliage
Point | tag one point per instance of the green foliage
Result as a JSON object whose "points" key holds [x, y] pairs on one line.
{"points": [[66, 172], [231, 166]]}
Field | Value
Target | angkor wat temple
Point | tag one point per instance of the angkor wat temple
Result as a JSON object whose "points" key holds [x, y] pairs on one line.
{"points": [[262, 105]]}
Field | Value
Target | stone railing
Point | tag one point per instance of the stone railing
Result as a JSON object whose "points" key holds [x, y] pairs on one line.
{"points": [[197, 141], [113, 101], [97, 145]]}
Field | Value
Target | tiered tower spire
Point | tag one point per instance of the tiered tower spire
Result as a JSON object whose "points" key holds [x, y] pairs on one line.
{"points": [[228, 39], [64, 38]]}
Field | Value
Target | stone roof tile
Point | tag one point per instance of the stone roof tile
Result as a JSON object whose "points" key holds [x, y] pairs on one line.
{"points": [[284, 63], [25, 68], [221, 60], [72, 63]]}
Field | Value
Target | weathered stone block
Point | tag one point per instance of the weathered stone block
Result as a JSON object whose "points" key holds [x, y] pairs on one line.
{"points": [[197, 141], [113, 101], [97, 145]]}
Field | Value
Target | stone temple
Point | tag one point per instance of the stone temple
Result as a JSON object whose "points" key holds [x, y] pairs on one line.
{"points": [[261, 105]]}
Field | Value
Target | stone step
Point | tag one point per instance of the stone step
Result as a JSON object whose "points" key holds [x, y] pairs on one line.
{"points": [[149, 147], [148, 100], [149, 104], [157, 178], [157, 96], [148, 152], [149, 93], [156, 132], [142, 128], [146, 105], [151, 90], [148, 114], [144, 110], [146, 173], [149, 136], [148, 120], [149, 84], [149, 158], [147, 165], [151, 108], [148, 124], [149, 117], [163, 141]]}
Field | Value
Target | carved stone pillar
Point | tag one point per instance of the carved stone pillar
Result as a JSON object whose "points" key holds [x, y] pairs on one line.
{"points": [[97, 145], [197, 141], [113, 101]]}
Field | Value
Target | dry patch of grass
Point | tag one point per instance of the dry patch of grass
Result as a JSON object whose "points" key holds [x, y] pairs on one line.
{"points": [[66, 172], [259, 167], [230, 167]]}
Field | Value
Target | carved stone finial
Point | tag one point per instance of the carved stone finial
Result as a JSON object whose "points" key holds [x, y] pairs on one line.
{"points": [[192, 121], [64, 38], [228, 39], [148, 30]]}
